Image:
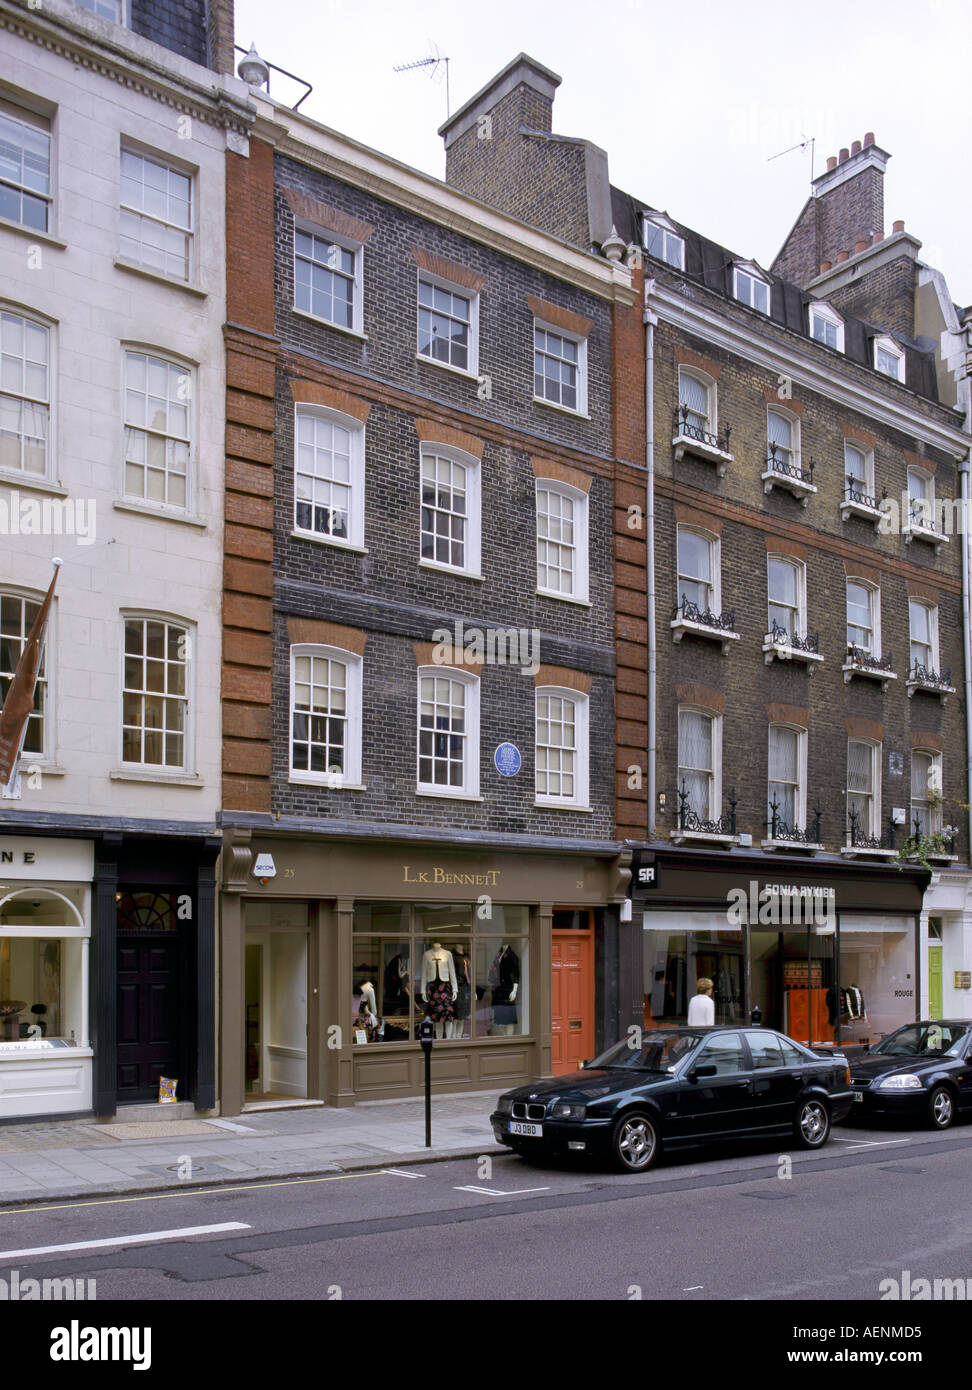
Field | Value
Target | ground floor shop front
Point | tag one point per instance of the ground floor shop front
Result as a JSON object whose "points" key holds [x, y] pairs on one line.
{"points": [[333, 952], [823, 950], [106, 972]]}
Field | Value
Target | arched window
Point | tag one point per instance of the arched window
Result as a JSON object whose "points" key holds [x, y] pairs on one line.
{"points": [[561, 747], [325, 716], [448, 732]]}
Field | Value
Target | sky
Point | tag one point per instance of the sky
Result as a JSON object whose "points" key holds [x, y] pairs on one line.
{"points": [[691, 104]]}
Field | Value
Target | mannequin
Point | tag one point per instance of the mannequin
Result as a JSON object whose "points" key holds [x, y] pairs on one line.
{"points": [[460, 962], [439, 988], [701, 1009], [504, 976], [367, 1016]]}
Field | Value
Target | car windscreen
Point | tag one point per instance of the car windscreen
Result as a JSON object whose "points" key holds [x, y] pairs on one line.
{"points": [[924, 1040], [649, 1052]]}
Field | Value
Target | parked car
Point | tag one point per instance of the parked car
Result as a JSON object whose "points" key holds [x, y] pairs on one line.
{"points": [[922, 1071], [676, 1087]]}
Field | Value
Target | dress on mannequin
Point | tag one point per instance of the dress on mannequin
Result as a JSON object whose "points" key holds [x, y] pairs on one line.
{"points": [[460, 963], [439, 987], [504, 976]]}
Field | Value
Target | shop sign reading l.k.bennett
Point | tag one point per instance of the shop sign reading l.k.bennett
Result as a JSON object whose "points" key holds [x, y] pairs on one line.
{"points": [[489, 878]]}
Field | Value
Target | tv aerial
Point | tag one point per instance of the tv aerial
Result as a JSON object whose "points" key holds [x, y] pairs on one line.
{"points": [[804, 142], [433, 62]]}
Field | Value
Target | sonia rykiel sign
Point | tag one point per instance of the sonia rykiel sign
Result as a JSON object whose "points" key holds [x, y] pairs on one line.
{"points": [[782, 904]]}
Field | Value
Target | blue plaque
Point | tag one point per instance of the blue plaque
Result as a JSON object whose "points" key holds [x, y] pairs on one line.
{"points": [[507, 759]]}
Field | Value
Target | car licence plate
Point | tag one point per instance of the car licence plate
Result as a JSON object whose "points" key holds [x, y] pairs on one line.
{"points": [[530, 1131], [858, 1095]]}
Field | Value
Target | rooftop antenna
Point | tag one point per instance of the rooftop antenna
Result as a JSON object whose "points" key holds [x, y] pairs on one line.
{"points": [[433, 62], [804, 142]]}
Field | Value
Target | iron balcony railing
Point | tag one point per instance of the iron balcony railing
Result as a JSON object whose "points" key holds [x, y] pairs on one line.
{"points": [[861, 841], [692, 613], [684, 425], [863, 498], [857, 656], [945, 838], [809, 642], [779, 829], [778, 464], [691, 821], [923, 517], [937, 680]]}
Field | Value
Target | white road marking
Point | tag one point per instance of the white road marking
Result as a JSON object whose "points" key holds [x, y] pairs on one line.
{"points": [[495, 1191], [230, 1124], [397, 1172], [692, 1288], [868, 1143], [144, 1238]]}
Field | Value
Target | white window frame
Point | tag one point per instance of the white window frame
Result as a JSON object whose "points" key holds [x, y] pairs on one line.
{"points": [[715, 556], [349, 779], [793, 420], [581, 539], [801, 592], [121, 15], [46, 758], [875, 592], [472, 296], [827, 316], [670, 240], [26, 117], [715, 775], [932, 610], [188, 372], [708, 385], [356, 248], [469, 791], [580, 801], [868, 456], [357, 475], [873, 830], [161, 771], [581, 341], [175, 166], [748, 273], [934, 786], [800, 799], [888, 345], [38, 321], [472, 568]]}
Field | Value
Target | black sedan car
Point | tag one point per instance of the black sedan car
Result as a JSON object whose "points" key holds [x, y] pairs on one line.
{"points": [[675, 1087], [922, 1071]]}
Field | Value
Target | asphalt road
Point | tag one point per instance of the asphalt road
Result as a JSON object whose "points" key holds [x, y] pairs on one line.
{"points": [[728, 1226]]}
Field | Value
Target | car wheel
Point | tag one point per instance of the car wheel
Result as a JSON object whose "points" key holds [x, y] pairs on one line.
{"points": [[635, 1143], [812, 1126], [941, 1108]]}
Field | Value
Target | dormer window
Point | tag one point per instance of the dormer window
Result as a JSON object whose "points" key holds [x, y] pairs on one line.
{"points": [[663, 243], [826, 327], [889, 358], [750, 288]]}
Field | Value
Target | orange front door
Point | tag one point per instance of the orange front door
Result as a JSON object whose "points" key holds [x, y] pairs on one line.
{"points": [[573, 999]]}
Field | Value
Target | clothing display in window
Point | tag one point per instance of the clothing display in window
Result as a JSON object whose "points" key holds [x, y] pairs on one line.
{"points": [[504, 978], [460, 963], [394, 994], [439, 985], [852, 1003]]}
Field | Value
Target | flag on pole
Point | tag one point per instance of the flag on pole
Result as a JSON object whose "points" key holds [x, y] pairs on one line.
{"points": [[20, 696]]}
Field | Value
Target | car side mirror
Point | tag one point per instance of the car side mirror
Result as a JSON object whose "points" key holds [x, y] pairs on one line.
{"points": [[710, 1069]]}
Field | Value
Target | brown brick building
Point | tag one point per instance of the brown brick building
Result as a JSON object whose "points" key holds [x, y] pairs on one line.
{"points": [[789, 621], [418, 665]]}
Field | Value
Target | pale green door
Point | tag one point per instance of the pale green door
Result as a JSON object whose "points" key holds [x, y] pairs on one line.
{"points": [[934, 981]]}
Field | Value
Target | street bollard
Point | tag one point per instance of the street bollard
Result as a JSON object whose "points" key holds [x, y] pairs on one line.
{"points": [[426, 1033]]}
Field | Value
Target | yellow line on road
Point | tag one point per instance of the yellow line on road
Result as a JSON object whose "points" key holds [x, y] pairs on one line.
{"points": [[189, 1192]]}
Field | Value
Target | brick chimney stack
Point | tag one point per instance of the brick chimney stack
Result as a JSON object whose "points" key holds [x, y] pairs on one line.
{"points": [[500, 149]]}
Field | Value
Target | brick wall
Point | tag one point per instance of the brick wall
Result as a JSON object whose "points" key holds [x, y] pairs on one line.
{"points": [[833, 222], [182, 26], [541, 182], [749, 522], [885, 296]]}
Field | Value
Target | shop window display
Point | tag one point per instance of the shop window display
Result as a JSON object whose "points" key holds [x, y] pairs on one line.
{"points": [[676, 960], [444, 960], [41, 1002], [877, 991]]}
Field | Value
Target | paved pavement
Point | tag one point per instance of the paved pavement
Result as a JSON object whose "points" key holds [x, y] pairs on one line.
{"points": [[80, 1158]]}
